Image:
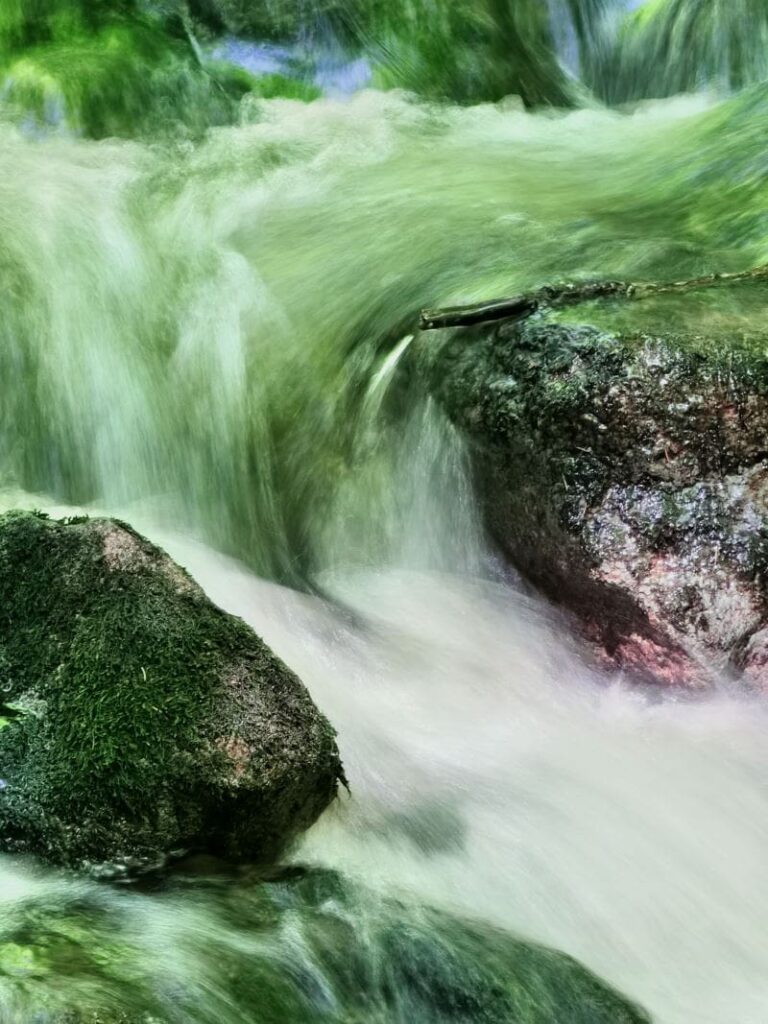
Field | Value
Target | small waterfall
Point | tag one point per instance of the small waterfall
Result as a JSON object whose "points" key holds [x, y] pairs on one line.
{"points": [[196, 328], [209, 300]]}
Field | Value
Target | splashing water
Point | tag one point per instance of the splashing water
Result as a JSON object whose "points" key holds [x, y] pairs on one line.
{"points": [[492, 778], [207, 339], [231, 301]]}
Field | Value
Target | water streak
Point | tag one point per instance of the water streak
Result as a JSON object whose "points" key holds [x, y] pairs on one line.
{"points": [[211, 340]]}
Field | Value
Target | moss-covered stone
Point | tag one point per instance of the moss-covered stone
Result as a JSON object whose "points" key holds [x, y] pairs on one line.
{"points": [[626, 475], [142, 719]]}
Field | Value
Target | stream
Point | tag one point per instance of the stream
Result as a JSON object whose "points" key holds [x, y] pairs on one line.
{"points": [[206, 339]]}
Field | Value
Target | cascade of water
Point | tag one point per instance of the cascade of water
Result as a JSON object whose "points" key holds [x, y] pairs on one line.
{"points": [[215, 339], [196, 327]]}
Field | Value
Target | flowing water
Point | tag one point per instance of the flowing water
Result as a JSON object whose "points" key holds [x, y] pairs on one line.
{"points": [[207, 338]]}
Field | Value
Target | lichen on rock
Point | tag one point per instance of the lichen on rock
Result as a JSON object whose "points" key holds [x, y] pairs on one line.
{"points": [[146, 720], [626, 474]]}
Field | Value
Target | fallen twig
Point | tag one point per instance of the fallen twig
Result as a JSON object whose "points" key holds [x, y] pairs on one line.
{"points": [[552, 296]]}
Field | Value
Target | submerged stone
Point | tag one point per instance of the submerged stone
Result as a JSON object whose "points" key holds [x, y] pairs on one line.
{"points": [[140, 719], [626, 474], [309, 947]]}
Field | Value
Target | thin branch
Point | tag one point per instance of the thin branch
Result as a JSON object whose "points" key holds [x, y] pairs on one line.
{"points": [[553, 296]]}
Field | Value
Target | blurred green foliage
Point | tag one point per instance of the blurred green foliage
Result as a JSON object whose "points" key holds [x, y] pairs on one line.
{"points": [[107, 69], [666, 47], [126, 67]]}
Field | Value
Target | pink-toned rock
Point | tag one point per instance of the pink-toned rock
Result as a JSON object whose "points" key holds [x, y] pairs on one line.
{"points": [[627, 477]]}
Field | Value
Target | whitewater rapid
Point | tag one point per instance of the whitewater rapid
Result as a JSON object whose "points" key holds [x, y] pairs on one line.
{"points": [[194, 338], [492, 775]]}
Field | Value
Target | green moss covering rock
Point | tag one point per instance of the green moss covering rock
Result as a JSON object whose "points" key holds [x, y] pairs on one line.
{"points": [[626, 474], [141, 719]]}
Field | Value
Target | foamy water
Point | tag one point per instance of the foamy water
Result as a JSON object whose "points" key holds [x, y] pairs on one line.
{"points": [[205, 340]]}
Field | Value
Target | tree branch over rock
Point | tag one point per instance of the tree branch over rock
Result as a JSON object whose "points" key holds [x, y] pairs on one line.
{"points": [[555, 296]]}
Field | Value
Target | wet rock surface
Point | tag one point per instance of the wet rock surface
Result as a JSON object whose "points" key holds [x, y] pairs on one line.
{"points": [[137, 719], [309, 946], [627, 477]]}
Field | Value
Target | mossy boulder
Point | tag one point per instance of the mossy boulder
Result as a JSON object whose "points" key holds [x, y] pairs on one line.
{"points": [[137, 718], [626, 475]]}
